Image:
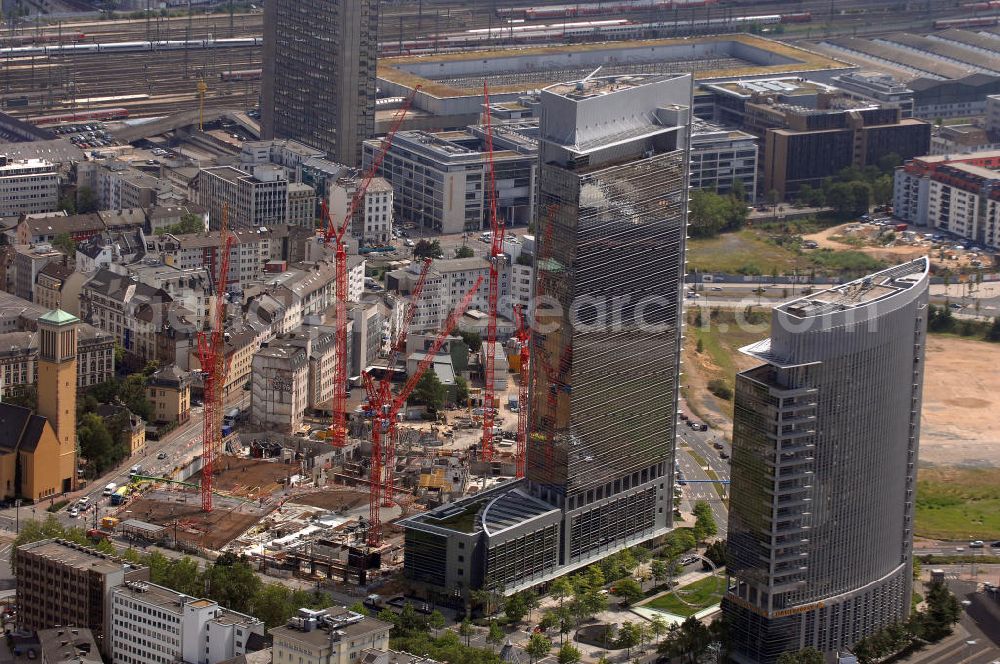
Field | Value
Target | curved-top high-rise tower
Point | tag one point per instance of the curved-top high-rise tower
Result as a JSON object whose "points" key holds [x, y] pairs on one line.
{"points": [[824, 462]]}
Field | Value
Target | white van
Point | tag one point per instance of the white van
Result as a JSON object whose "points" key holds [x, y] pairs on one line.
{"points": [[110, 489]]}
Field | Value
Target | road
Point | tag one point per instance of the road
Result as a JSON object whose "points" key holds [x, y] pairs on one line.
{"points": [[179, 447], [977, 637], [701, 443]]}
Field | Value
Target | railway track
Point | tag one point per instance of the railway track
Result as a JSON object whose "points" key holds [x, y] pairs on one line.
{"points": [[46, 85]]}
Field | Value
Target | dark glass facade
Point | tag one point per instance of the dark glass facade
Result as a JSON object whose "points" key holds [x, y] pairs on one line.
{"points": [[318, 82], [609, 275]]}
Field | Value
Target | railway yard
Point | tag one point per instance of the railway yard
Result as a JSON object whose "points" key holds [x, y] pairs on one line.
{"points": [[163, 58]]}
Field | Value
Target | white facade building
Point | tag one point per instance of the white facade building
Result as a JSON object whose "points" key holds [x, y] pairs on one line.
{"points": [[27, 187], [372, 222], [150, 624]]}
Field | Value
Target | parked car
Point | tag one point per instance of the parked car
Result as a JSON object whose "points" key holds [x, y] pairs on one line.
{"points": [[161, 456]]}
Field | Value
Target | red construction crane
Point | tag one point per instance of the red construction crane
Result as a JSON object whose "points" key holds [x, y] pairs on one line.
{"points": [[523, 337], [214, 365], [384, 414], [495, 258], [385, 385], [336, 233]]}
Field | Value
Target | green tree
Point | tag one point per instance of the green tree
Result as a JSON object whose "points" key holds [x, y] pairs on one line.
{"points": [[465, 629], [707, 212], [538, 646], [516, 606], [882, 190], [65, 243], [495, 635], [461, 391], [659, 570], [804, 656], [943, 612], [464, 252], [473, 340], [658, 626], [429, 391], [189, 223], [629, 636], [361, 609], [569, 654], [388, 616], [716, 552], [86, 200], [428, 249], [232, 582], [993, 334], [628, 589], [704, 525], [132, 393], [96, 444], [436, 621]]}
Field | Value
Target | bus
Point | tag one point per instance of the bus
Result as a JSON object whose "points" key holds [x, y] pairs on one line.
{"points": [[120, 495]]}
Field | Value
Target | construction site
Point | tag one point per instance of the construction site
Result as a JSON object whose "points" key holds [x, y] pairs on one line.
{"points": [[321, 503]]}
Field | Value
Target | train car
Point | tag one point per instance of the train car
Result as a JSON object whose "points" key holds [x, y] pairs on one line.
{"points": [[981, 6], [80, 116], [980, 22], [24, 40], [801, 17], [241, 75]]}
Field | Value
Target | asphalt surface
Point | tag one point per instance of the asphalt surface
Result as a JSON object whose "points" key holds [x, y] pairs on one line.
{"points": [[702, 444]]}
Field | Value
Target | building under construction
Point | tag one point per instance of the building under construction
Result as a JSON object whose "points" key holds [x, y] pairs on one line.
{"points": [[614, 171]]}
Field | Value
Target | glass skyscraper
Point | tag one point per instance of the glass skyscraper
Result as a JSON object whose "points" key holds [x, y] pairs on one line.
{"points": [[612, 221], [825, 438]]}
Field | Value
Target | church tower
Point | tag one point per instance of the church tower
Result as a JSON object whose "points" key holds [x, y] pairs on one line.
{"points": [[57, 332]]}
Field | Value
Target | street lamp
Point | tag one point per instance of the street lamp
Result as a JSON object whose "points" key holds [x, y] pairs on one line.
{"points": [[17, 516]]}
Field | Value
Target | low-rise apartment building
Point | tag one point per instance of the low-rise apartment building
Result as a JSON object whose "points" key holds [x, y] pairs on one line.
{"points": [[332, 636], [169, 392], [958, 194], [29, 261], [151, 624]]}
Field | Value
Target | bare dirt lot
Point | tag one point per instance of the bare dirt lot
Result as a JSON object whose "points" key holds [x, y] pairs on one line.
{"points": [[961, 412], [960, 425], [249, 478], [211, 530], [333, 500], [866, 239]]}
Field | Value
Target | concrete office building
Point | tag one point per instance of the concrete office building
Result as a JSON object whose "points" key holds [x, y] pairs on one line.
{"points": [[151, 624], [878, 87], [60, 583], [441, 179], [614, 162], [722, 157], [27, 187], [825, 439], [255, 199], [318, 83]]}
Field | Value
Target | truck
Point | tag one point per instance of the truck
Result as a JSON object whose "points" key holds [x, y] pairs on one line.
{"points": [[119, 496], [110, 489], [135, 470]]}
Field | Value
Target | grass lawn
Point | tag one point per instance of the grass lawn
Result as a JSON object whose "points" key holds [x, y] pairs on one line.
{"points": [[697, 596], [749, 252], [743, 252], [958, 503]]}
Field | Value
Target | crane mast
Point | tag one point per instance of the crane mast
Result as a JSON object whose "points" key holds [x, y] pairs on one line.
{"points": [[214, 366], [495, 258]]}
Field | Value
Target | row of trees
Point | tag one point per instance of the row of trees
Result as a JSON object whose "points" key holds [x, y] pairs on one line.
{"points": [[941, 319], [711, 213], [411, 632], [931, 624], [853, 190]]}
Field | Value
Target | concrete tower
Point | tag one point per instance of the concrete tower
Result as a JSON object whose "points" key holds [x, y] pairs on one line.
{"points": [[57, 332], [825, 439], [319, 74]]}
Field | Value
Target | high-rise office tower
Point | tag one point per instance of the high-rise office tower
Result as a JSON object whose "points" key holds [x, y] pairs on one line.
{"points": [[613, 211], [610, 263], [319, 74], [824, 461]]}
